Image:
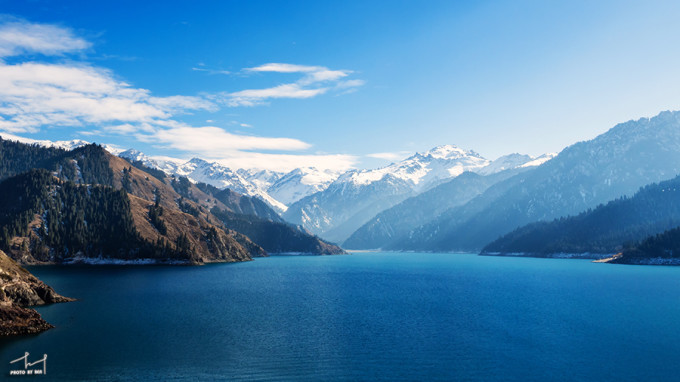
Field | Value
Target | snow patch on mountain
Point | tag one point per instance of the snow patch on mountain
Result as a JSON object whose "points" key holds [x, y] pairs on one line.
{"points": [[540, 160], [301, 182], [511, 161], [422, 170], [66, 145]]}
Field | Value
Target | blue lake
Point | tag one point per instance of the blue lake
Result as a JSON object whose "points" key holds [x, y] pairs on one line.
{"points": [[365, 316]]}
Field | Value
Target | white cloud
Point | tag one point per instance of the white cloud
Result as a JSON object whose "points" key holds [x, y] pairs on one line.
{"points": [[254, 97], [36, 94], [213, 141], [231, 150], [284, 68], [90, 99], [350, 84], [310, 85], [19, 36], [210, 71]]}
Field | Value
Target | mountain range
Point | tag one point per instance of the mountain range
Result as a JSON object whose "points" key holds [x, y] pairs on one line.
{"points": [[607, 229], [86, 204], [359, 195], [614, 164], [445, 199]]}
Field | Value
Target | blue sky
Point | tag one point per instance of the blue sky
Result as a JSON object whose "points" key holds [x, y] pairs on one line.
{"points": [[333, 84]]}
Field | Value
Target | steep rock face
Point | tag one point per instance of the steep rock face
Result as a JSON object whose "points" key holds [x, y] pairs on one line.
{"points": [[19, 289], [614, 164]]}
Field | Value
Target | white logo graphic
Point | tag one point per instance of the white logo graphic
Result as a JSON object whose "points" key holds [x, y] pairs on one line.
{"points": [[26, 370]]}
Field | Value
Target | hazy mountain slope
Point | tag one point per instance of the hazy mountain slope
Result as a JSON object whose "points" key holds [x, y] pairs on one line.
{"points": [[616, 163], [276, 237], [344, 202], [240, 204], [254, 219], [358, 195], [395, 223], [605, 229]]}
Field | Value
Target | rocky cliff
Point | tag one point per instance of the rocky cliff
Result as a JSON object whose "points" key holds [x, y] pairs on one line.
{"points": [[18, 290]]}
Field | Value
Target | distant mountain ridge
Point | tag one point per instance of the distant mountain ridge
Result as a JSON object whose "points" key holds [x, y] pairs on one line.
{"points": [[358, 195], [114, 211], [393, 224], [616, 163], [606, 229]]}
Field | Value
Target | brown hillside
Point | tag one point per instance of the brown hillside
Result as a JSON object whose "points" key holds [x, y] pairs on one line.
{"points": [[231, 246]]}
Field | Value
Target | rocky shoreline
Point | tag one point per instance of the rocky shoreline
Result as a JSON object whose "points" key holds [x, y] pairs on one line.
{"points": [[19, 289]]}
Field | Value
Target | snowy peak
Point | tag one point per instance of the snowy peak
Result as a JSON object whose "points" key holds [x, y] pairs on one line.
{"points": [[138, 156], [512, 161], [422, 170], [263, 179], [301, 182], [447, 152], [66, 145], [539, 160]]}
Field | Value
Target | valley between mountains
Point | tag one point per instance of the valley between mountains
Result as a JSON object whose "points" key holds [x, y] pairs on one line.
{"points": [[614, 197]]}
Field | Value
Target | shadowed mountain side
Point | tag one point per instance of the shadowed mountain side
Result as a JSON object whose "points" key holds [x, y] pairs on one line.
{"points": [[276, 237], [154, 224], [616, 163], [604, 230], [395, 223]]}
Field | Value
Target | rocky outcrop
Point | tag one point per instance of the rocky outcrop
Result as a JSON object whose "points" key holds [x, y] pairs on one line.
{"points": [[18, 290]]}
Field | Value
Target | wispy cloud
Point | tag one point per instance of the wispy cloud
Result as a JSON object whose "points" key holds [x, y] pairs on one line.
{"points": [[19, 37], [210, 71], [316, 80], [35, 94], [214, 141]]}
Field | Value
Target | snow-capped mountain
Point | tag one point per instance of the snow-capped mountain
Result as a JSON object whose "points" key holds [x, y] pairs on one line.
{"points": [[262, 179], [66, 145], [617, 163], [358, 195], [301, 182], [422, 170], [511, 161], [199, 170], [411, 176], [278, 189]]}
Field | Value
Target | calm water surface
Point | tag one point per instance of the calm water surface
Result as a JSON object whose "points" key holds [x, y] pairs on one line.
{"points": [[366, 316]]}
